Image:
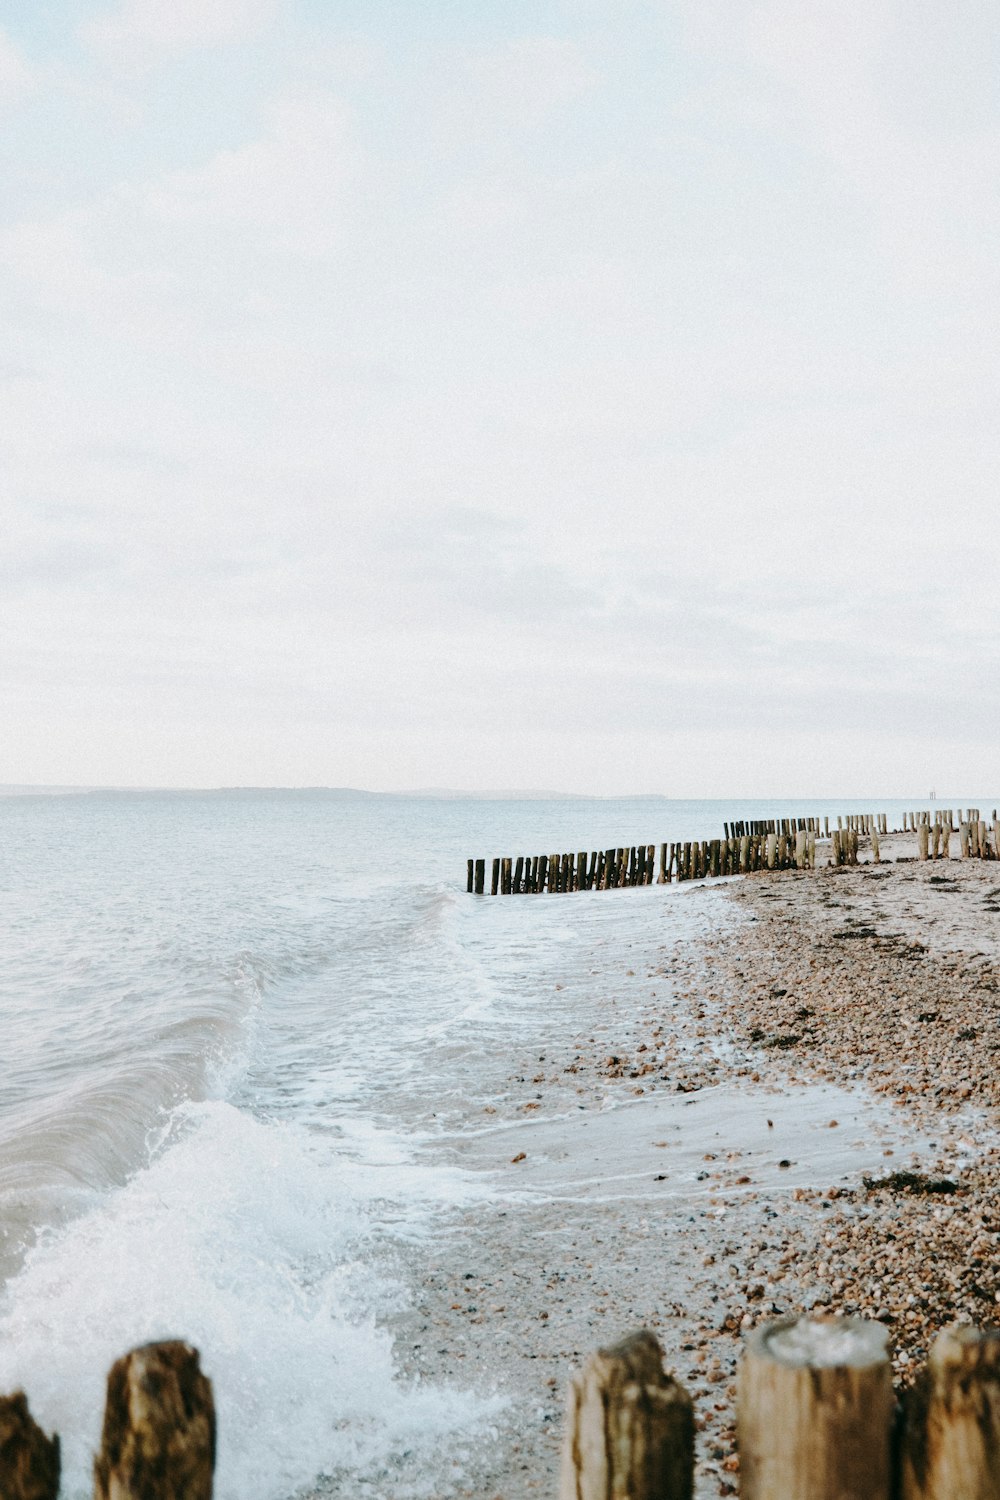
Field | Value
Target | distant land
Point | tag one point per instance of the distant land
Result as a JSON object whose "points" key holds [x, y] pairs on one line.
{"points": [[444, 794]]}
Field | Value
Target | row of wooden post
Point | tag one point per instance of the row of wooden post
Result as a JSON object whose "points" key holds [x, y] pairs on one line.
{"points": [[946, 815], [817, 1418], [858, 822], [772, 844], [610, 868], [157, 1442]]}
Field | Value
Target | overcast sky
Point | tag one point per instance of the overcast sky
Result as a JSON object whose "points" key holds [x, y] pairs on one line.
{"points": [[579, 393]]}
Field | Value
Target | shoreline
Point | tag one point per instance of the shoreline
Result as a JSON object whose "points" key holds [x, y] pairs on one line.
{"points": [[800, 995]]}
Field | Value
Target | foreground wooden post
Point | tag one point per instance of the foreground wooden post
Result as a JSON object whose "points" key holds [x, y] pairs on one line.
{"points": [[923, 833], [629, 1428], [158, 1441], [951, 1443], [480, 876], [29, 1461], [814, 1411]]}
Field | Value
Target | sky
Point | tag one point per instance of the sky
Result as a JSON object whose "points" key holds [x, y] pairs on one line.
{"points": [[589, 394]]}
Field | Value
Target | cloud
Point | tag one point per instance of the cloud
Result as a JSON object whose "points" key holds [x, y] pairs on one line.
{"points": [[140, 34], [17, 78], [286, 187]]}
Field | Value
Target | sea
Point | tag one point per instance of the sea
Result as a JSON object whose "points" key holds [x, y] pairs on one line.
{"points": [[236, 1027]]}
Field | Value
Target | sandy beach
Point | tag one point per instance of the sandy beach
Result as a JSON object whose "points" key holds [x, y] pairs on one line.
{"points": [[798, 1110]]}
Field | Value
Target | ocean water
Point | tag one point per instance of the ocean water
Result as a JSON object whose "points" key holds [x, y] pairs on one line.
{"points": [[234, 1027]]}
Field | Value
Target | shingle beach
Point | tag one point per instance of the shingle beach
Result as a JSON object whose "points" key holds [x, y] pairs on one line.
{"points": [[835, 1040]]}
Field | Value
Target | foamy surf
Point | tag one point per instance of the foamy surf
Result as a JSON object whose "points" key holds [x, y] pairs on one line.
{"points": [[249, 1240]]}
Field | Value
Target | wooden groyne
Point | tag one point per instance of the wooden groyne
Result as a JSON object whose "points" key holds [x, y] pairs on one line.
{"points": [[758, 844], [817, 1418]]}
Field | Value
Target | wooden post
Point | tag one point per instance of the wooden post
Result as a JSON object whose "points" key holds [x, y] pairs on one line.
{"points": [[772, 850], [876, 852], [663, 865], [519, 874], [29, 1461], [814, 1411], [946, 841], [471, 865], [505, 876], [951, 1439], [158, 1441], [984, 849], [650, 862], [922, 834], [800, 850], [480, 876], [936, 841], [963, 837], [744, 853], [629, 1428]]}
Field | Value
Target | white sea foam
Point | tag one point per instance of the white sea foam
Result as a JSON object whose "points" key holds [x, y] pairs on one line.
{"points": [[246, 1239]]}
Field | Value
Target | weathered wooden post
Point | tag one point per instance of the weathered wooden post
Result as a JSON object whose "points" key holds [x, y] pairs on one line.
{"points": [[629, 1428], [951, 1438], [29, 1461], [922, 835], [158, 1441], [480, 876], [505, 876], [963, 838], [800, 850], [983, 849], [936, 841], [946, 841], [471, 865], [518, 874], [772, 849], [811, 850], [662, 880], [495, 882], [814, 1411], [876, 851]]}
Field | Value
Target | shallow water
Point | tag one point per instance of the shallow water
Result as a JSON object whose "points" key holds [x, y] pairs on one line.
{"points": [[240, 1033]]}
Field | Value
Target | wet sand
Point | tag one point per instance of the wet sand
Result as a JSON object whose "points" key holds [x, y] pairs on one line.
{"points": [[798, 1111]]}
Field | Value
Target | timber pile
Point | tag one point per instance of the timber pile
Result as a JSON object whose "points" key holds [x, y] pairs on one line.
{"points": [[817, 1419], [762, 844]]}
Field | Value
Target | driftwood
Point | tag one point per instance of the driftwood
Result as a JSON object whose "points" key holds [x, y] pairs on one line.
{"points": [[158, 1441], [29, 1461], [629, 1428]]}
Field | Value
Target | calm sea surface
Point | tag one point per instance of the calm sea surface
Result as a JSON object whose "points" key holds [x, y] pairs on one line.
{"points": [[232, 1025]]}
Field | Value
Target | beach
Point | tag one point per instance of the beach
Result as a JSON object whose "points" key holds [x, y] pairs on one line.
{"points": [[397, 1159], [795, 1108]]}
